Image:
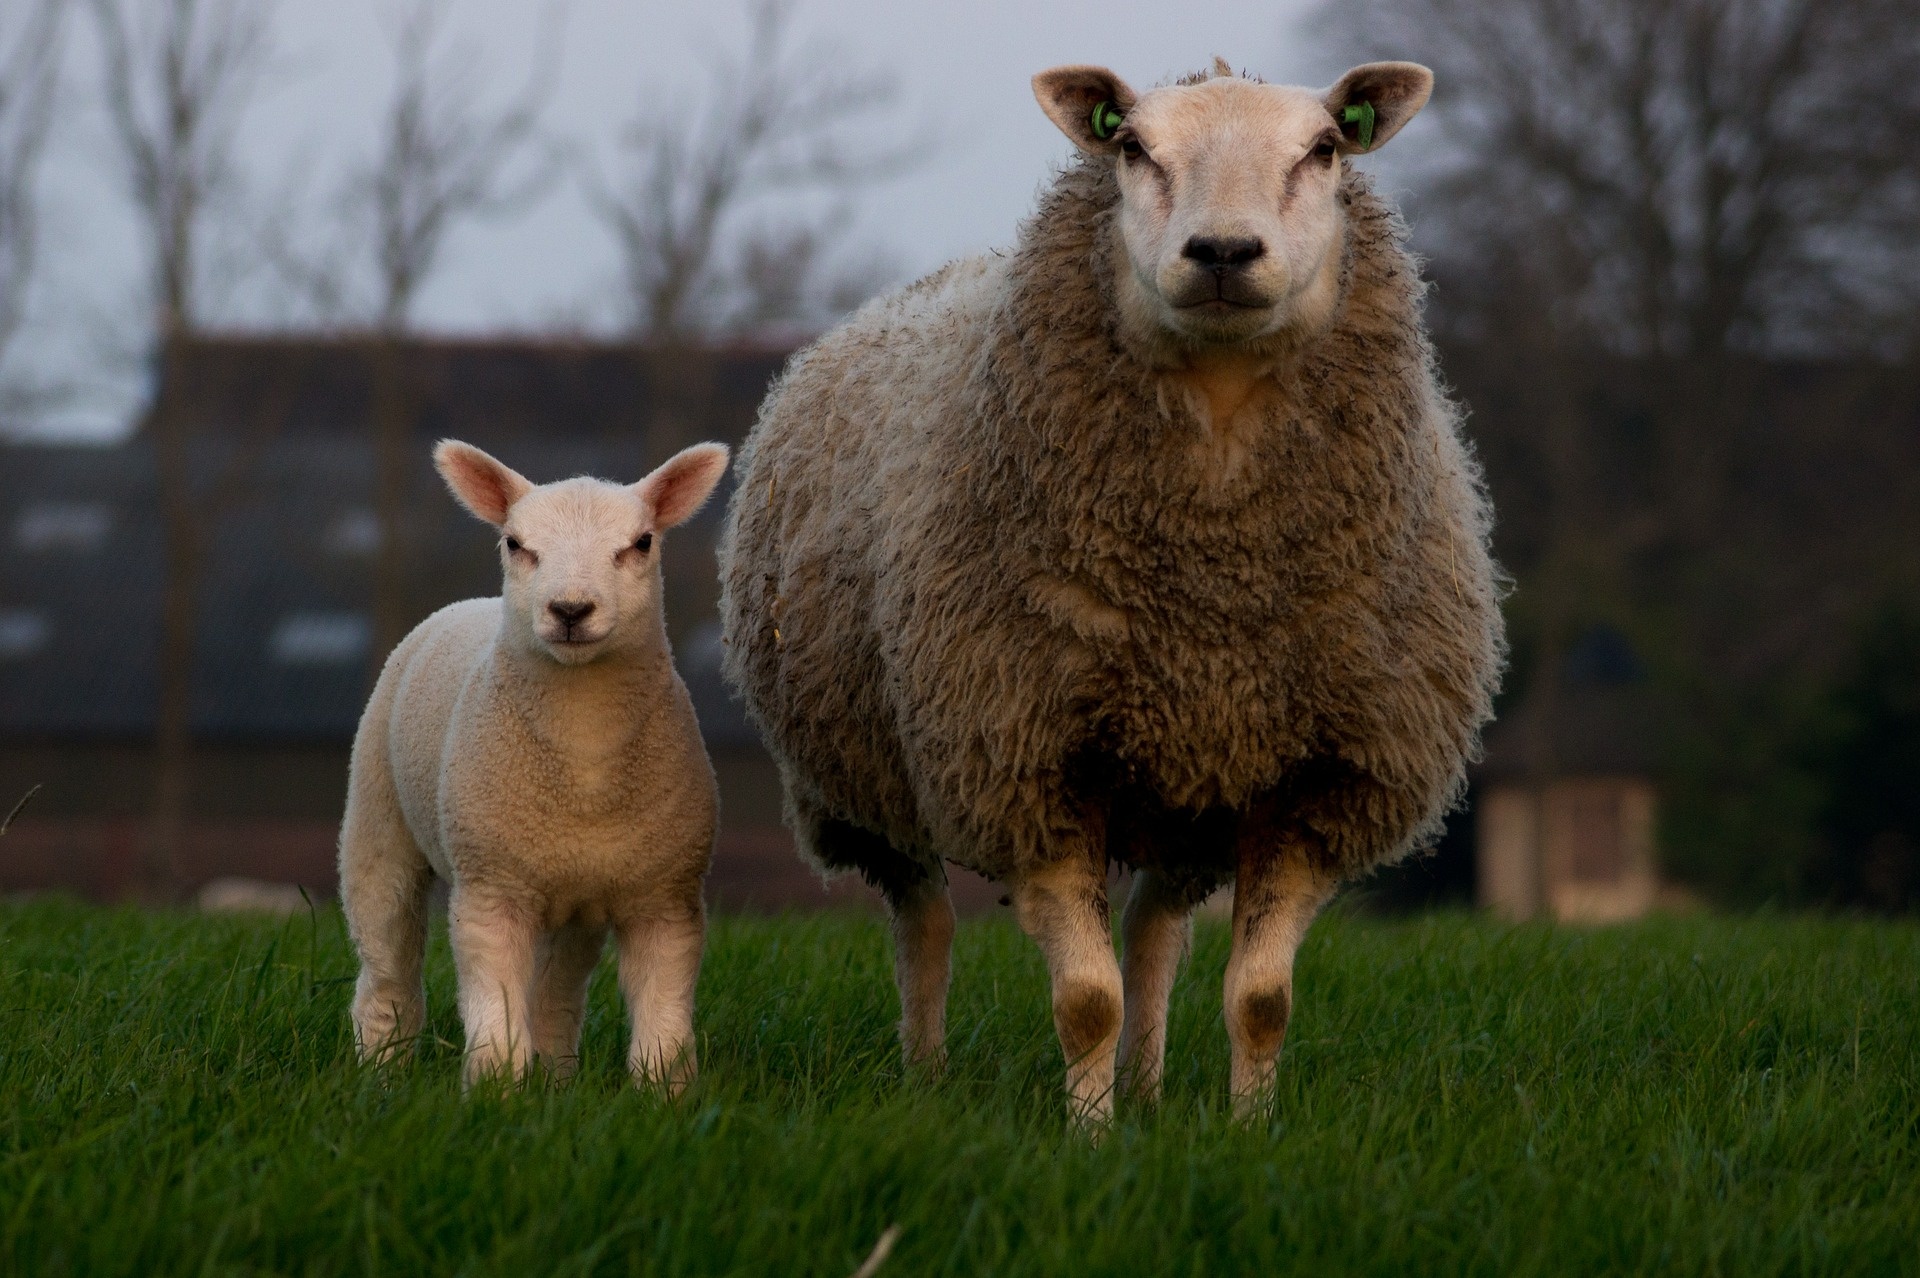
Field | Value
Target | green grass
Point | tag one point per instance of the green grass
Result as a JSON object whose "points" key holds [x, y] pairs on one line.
{"points": [[177, 1094]]}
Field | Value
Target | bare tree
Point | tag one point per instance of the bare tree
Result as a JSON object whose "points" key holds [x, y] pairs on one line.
{"points": [[446, 157], [29, 82], [1693, 185], [1677, 177], [178, 75], [731, 203]]}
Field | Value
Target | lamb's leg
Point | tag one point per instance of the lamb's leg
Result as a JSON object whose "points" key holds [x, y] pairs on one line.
{"points": [[659, 967], [493, 955], [1155, 931], [1277, 891], [566, 964], [383, 890], [1062, 905], [922, 966]]}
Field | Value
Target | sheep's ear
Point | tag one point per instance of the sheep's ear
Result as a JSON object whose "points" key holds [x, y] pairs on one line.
{"points": [[681, 486], [1088, 103], [484, 486], [1371, 102]]}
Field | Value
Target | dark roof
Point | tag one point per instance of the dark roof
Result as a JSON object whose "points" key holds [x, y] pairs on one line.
{"points": [[486, 391], [1595, 718], [284, 614]]}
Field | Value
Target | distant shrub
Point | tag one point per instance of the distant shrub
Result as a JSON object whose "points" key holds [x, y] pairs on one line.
{"points": [[1866, 755], [1803, 793]]}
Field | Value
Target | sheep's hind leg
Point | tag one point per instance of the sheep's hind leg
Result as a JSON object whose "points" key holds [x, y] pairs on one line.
{"points": [[659, 967], [566, 964], [1062, 905], [1155, 931], [921, 912], [493, 955], [1277, 891], [383, 890], [922, 967]]}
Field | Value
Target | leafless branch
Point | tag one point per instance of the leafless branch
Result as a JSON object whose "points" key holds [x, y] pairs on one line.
{"points": [[178, 75], [445, 156], [29, 83], [702, 247], [1680, 177]]}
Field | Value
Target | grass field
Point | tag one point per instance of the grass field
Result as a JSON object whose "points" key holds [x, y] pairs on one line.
{"points": [[177, 1094]]}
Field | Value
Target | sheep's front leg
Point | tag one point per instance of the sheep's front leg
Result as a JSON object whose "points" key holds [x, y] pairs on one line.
{"points": [[922, 915], [1277, 891], [493, 956], [1062, 905], [1154, 931], [659, 967], [567, 960]]}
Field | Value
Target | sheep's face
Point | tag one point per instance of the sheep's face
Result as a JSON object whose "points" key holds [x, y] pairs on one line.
{"points": [[1230, 227], [580, 558]]}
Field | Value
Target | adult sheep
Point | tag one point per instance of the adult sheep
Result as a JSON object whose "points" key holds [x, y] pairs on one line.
{"points": [[1153, 540]]}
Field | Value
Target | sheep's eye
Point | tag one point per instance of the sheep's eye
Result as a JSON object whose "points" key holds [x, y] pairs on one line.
{"points": [[1325, 149], [513, 545], [645, 543], [1131, 148]]}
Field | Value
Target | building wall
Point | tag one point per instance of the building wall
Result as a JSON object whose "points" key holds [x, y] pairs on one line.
{"points": [[1579, 849], [271, 812]]}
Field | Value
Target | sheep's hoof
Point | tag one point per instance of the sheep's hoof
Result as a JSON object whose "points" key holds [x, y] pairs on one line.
{"points": [[926, 1065], [1092, 1122], [1255, 1107]]}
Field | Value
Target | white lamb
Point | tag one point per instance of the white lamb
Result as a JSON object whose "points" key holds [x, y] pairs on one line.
{"points": [[540, 754]]}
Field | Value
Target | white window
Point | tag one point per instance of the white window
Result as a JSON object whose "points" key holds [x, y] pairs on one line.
{"points": [[320, 639], [353, 532], [63, 525], [23, 633]]}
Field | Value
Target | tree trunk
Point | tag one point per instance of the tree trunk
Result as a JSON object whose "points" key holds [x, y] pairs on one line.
{"points": [[680, 384], [393, 419], [160, 879]]}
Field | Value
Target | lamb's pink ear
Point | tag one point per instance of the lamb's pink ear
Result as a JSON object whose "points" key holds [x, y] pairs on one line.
{"points": [[484, 486], [1088, 103], [681, 486]]}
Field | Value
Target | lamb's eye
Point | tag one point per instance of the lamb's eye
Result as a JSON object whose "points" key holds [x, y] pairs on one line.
{"points": [[645, 543], [1325, 149], [513, 545], [1131, 148]]}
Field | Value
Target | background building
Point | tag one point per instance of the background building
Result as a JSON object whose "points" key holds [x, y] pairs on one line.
{"points": [[284, 642]]}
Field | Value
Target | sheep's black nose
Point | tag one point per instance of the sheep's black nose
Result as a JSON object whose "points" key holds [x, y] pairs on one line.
{"points": [[571, 611], [1221, 253]]}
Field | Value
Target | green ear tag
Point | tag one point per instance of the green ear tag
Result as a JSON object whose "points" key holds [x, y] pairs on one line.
{"points": [[1106, 120], [1360, 113]]}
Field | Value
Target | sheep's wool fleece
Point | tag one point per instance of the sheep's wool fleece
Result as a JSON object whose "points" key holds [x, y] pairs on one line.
{"points": [[989, 576]]}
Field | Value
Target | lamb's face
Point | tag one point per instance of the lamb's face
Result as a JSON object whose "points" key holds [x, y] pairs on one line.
{"points": [[1230, 224], [580, 569], [579, 559]]}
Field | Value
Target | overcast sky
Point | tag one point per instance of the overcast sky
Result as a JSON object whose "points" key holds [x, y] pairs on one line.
{"points": [[964, 68]]}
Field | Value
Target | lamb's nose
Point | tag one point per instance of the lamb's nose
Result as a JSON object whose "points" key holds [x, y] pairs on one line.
{"points": [[571, 612], [1222, 253]]}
